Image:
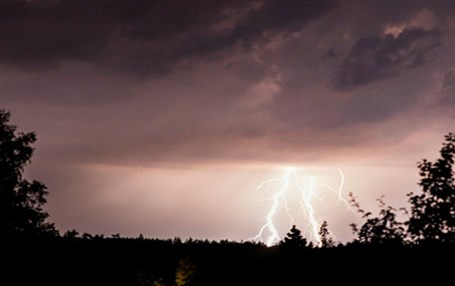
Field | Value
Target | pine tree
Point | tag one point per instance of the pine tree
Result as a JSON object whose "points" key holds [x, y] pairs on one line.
{"points": [[294, 238]]}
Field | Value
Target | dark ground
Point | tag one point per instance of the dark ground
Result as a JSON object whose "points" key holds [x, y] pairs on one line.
{"points": [[63, 261]]}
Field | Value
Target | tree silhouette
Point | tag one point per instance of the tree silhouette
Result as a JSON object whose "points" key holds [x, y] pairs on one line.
{"points": [[294, 239], [433, 211], [21, 201], [326, 238], [71, 234], [383, 229]]}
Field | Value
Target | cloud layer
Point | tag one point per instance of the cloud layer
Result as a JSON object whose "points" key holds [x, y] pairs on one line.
{"points": [[377, 58], [150, 81], [139, 36]]}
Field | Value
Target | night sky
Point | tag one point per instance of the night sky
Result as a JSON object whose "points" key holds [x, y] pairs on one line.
{"points": [[163, 117]]}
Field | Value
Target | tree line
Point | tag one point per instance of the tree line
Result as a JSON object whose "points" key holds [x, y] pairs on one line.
{"points": [[421, 239]]}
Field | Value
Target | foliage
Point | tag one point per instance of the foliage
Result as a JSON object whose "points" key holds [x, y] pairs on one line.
{"points": [[324, 234], [383, 229], [433, 210], [21, 201], [71, 234]]}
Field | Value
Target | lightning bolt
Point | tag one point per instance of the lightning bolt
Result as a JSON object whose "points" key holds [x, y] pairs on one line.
{"points": [[339, 191], [276, 199], [307, 187], [307, 194]]}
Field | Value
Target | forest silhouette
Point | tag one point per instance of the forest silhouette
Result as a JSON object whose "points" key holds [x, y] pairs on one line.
{"points": [[385, 249]]}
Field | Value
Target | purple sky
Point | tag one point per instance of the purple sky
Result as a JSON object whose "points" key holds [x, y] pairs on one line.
{"points": [[162, 117]]}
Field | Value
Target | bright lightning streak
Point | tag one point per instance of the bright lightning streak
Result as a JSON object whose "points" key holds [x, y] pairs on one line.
{"points": [[339, 191], [307, 187], [276, 201], [307, 195], [340, 197]]}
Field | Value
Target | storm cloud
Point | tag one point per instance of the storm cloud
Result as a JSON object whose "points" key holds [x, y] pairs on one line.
{"points": [[378, 58], [140, 36]]}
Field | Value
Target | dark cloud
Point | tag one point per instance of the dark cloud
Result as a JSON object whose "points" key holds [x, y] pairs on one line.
{"points": [[377, 58], [140, 36]]}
